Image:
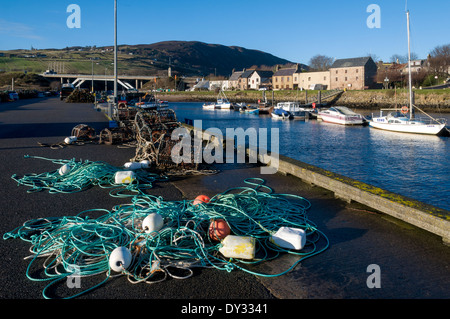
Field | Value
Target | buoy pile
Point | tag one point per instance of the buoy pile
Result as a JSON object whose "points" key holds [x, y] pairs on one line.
{"points": [[151, 239], [75, 176]]}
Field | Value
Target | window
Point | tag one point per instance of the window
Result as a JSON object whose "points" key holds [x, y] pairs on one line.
{"points": [[345, 78], [324, 78], [345, 71], [357, 78], [287, 79], [282, 79], [336, 71], [357, 70], [336, 79], [309, 78]]}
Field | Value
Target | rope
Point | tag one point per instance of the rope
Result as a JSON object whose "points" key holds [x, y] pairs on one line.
{"points": [[82, 175], [84, 243]]}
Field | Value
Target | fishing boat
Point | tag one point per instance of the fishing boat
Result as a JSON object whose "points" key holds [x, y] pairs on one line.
{"points": [[209, 106], [149, 102], [249, 110], [264, 106], [340, 115], [281, 114], [221, 103], [398, 120], [295, 109]]}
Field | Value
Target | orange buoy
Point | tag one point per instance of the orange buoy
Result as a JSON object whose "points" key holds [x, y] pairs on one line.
{"points": [[219, 229], [201, 199]]}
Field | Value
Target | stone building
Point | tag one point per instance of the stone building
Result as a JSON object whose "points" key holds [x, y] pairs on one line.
{"points": [[243, 82], [233, 81], [283, 79], [312, 80], [353, 74]]}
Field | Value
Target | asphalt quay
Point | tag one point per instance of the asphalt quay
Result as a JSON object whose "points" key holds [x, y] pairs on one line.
{"points": [[413, 263]]}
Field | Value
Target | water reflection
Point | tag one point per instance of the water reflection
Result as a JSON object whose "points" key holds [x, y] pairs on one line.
{"points": [[409, 164]]}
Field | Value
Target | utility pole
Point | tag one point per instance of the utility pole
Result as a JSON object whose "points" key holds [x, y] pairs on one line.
{"points": [[115, 55]]}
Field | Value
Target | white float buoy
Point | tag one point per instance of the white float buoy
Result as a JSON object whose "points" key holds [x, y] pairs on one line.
{"points": [[132, 165], [288, 237], [145, 163], [64, 169], [70, 139], [120, 258], [124, 177], [153, 222], [241, 247]]}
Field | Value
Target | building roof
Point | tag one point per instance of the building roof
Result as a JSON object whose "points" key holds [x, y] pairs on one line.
{"points": [[247, 74], [264, 74], [235, 76], [352, 62], [285, 72]]}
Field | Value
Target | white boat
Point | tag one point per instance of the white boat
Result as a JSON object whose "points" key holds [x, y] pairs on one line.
{"points": [[209, 106], [222, 103], [295, 109], [341, 115], [396, 121]]}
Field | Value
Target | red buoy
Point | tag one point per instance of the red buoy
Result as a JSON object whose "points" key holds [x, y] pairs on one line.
{"points": [[219, 229], [201, 199]]}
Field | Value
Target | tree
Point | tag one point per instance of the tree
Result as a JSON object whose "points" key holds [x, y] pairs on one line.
{"points": [[439, 59], [320, 62], [400, 59], [374, 57]]}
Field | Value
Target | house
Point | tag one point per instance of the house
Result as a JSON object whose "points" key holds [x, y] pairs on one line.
{"points": [[202, 85], [283, 79], [243, 82], [233, 81], [312, 80], [416, 66], [353, 74], [219, 84], [260, 79]]}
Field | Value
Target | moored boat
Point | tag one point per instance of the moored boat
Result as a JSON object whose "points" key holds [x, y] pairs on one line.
{"points": [[221, 103], [396, 121], [295, 109], [281, 114], [249, 110], [341, 115]]}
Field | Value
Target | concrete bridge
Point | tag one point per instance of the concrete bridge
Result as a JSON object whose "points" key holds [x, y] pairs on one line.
{"points": [[124, 80]]}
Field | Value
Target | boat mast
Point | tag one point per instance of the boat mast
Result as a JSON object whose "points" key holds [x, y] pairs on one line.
{"points": [[411, 116]]}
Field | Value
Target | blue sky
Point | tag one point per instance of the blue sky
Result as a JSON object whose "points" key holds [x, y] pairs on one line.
{"points": [[294, 30]]}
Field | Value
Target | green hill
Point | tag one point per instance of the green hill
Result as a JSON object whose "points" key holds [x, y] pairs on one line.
{"points": [[188, 58]]}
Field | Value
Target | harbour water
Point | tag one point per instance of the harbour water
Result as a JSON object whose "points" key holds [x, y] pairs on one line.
{"points": [[416, 166]]}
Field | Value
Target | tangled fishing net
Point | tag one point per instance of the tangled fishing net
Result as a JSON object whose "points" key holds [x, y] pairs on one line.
{"points": [[75, 176], [82, 245]]}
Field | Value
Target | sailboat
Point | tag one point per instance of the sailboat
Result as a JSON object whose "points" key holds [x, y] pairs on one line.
{"points": [[397, 120]]}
